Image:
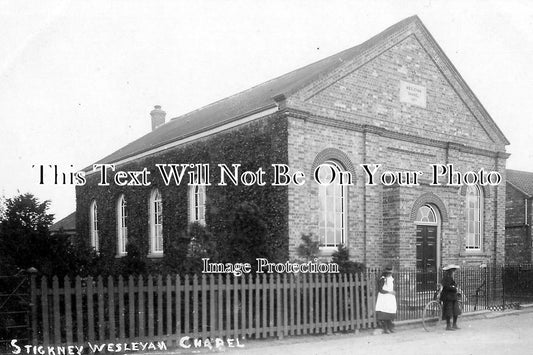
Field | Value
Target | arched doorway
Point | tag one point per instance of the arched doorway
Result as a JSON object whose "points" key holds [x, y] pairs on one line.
{"points": [[427, 223]]}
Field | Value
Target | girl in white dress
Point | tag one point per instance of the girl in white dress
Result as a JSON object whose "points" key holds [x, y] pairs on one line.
{"points": [[386, 302]]}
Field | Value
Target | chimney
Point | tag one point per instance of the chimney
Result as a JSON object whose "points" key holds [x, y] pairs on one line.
{"points": [[158, 117]]}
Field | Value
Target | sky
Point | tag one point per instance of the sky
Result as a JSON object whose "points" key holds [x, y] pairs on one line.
{"points": [[79, 78]]}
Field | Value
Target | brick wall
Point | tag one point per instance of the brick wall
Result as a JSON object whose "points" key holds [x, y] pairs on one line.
{"points": [[518, 234], [514, 207], [360, 113]]}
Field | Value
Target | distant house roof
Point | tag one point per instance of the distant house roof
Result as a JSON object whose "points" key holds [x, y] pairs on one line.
{"points": [[259, 98], [67, 224], [246, 102], [522, 180]]}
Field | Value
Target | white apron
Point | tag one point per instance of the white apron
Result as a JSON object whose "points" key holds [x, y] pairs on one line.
{"points": [[386, 302]]}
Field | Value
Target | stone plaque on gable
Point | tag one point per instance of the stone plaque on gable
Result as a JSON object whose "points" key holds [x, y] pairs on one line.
{"points": [[413, 94]]}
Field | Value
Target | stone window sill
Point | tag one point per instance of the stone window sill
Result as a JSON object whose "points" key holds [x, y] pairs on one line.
{"points": [[477, 253]]}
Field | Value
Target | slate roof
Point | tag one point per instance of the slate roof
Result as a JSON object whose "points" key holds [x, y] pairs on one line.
{"points": [[257, 98], [522, 180], [68, 223], [261, 97]]}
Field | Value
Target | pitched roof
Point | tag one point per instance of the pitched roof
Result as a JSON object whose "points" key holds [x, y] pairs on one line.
{"points": [[246, 102], [522, 180], [67, 224], [261, 97]]}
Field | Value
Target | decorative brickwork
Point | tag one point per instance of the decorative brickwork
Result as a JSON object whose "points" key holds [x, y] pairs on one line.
{"points": [[352, 108], [334, 154], [432, 199]]}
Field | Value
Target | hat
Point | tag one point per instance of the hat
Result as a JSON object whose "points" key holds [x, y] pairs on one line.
{"points": [[451, 267]]}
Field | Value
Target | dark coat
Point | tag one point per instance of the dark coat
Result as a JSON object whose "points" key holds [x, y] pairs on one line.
{"points": [[449, 288]]}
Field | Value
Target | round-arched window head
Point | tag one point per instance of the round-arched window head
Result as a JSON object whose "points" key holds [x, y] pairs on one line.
{"points": [[426, 215]]}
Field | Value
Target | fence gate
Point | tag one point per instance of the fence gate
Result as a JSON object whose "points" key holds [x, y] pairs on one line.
{"points": [[14, 310]]}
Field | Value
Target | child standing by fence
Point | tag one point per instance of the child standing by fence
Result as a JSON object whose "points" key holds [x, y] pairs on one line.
{"points": [[386, 302], [449, 297]]}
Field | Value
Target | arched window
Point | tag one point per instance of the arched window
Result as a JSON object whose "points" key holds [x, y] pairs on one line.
{"points": [[93, 220], [156, 223], [197, 204], [474, 217], [426, 215], [122, 229], [332, 210]]}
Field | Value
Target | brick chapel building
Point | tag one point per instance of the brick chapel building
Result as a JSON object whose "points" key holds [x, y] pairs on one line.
{"points": [[394, 100], [518, 217]]}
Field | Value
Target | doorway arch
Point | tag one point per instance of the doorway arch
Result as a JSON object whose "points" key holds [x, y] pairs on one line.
{"points": [[428, 222]]}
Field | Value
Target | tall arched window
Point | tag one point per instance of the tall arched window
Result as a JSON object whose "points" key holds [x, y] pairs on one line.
{"points": [[332, 210], [122, 229], [197, 204], [93, 220], [474, 217], [156, 223]]}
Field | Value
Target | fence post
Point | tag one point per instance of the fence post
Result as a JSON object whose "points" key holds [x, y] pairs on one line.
{"points": [[33, 297], [121, 309], [90, 309], [195, 305], [503, 286], [68, 309], [168, 285], [56, 314], [111, 308], [45, 311], [79, 311], [279, 305]]}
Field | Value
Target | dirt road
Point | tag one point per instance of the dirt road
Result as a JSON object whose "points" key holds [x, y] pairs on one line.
{"points": [[512, 334]]}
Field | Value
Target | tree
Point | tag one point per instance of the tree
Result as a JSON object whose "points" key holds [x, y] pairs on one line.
{"points": [[25, 240], [247, 240], [309, 248], [134, 263], [2, 207], [342, 258], [202, 245]]}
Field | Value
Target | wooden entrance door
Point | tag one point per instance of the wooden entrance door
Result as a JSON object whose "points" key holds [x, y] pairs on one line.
{"points": [[426, 257]]}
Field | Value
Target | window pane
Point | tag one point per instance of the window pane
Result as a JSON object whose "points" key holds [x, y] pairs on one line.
{"points": [[339, 204], [330, 222], [331, 207], [322, 234], [469, 240], [330, 237], [197, 204], [338, 237], [201, 212], [201, 196], [329, 203]]}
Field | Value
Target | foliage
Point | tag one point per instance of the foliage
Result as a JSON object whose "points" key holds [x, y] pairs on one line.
{"points": [[175, 254], [248, 237], [2, 207], [258, 144], [134, 263], [342, 257], [309, 248], [201, 245], [25, 240]]}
